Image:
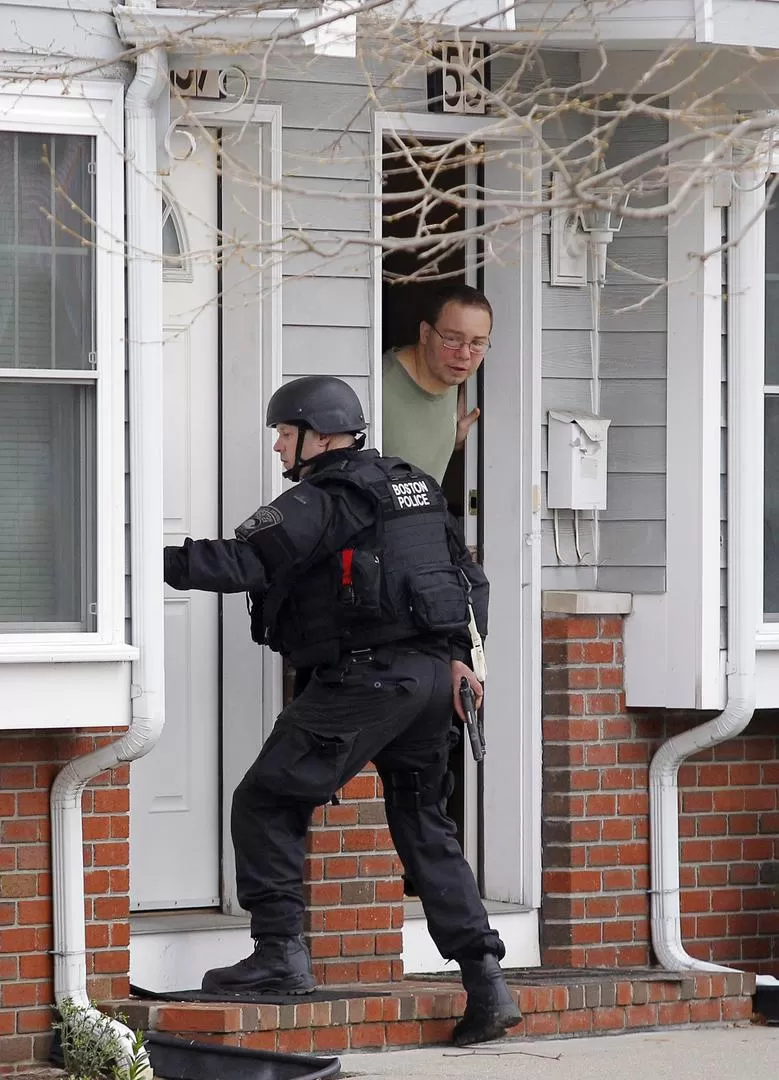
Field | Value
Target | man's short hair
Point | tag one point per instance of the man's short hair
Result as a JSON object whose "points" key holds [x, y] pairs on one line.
{"points": [[433, 304]]}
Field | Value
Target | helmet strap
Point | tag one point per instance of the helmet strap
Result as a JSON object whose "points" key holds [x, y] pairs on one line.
{"points": [[294, 473]]}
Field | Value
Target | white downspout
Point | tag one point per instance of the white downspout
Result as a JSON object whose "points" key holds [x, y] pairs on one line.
{"points": [[144, 357], [744, 578]]}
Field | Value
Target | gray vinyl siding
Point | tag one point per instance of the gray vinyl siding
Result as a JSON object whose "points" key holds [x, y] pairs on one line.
{"points": [[51, 31], [327, 170], [626, 550]]}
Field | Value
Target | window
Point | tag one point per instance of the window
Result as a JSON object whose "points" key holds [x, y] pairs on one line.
{"points": [[175, 264], [61, 371], [771, 413], [47, 426]]}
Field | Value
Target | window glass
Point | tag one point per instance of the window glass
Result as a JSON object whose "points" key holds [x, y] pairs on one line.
{"points": [[171, 245], [771, 450], [47, 497], [46, 251]]}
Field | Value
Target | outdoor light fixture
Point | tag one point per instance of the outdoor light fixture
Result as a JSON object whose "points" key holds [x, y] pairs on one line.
{"points": [[600, 221], [575, 229]]}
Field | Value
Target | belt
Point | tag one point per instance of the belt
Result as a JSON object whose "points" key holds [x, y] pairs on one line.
{"points": [[360, 656], [378, 654]]}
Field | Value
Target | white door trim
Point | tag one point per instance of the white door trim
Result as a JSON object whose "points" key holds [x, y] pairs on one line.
{"points": [[522, 872]]}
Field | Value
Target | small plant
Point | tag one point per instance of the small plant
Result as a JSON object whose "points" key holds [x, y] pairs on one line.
{"points": [[92, 1050], [138, 1067]]}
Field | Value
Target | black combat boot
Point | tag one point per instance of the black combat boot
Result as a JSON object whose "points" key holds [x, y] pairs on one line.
{"points": [[278, 965], [490, 1009]]}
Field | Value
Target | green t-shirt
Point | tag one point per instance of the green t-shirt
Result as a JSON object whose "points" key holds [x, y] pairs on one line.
{"points": [[418, 426]]}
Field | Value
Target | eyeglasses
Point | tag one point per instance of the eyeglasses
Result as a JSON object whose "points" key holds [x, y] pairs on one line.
{"points": [[451, 341]]}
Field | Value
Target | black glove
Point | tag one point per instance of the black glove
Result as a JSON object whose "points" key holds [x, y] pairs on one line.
{"points": [[175, 567]]}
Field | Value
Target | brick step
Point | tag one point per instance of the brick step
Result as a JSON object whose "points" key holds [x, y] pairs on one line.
{"points": [[422, 1012]]}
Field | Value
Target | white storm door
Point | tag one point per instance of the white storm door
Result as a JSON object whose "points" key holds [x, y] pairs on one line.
{"points": [[511, 427], [175, 788]]}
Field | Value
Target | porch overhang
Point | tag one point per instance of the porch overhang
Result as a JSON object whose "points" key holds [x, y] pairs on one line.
{"points": [[325, 29], [630, 24]]}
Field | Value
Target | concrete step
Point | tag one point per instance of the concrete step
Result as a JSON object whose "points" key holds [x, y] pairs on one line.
{"points": [[421, 1011]]}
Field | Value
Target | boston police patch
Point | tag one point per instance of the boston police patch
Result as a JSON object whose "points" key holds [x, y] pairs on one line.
{"points": [[412, 494], [266, 517]]}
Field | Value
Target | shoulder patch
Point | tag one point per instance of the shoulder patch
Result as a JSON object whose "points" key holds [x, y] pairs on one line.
{"points": [[266, 517]]}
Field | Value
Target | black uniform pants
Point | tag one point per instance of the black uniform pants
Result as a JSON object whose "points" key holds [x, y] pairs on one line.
{"points": [[395, 711]]}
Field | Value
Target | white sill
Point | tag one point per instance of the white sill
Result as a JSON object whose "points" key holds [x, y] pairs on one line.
{"points": [[768, 637], [412, 909], [59, 652]]}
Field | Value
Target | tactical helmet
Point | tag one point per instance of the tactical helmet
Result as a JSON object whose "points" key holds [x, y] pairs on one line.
{"points": [[320, 402]]}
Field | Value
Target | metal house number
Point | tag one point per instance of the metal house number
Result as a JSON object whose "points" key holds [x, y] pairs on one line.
{"points": [[457, 78], [197, 83]]}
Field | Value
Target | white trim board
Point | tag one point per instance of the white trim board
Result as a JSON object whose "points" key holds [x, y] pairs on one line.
{"points": [[672, 648], [71, 695]]}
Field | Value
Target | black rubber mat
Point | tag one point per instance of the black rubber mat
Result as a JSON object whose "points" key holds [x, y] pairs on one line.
{"points": [[177, 1059], [560, 976], [248, 998], [181, 1059], [766, 1003]]}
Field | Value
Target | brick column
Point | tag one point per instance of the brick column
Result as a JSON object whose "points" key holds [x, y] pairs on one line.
{"points": [[354, 891], [595, 909], [28, 765]]}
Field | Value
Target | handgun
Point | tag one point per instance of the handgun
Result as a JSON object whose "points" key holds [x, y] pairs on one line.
{"points": [[475, 734]]}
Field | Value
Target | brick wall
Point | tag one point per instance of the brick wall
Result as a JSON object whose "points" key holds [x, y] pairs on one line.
{"points": [[354, 892], [729, 834], [28, 764], [595, 840]]}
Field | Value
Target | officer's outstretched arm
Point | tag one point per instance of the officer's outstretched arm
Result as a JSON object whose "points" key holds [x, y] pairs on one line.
{"points": [[215, 566]]}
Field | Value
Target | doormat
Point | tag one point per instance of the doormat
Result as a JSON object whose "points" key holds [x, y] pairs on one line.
{"points": [[177, 1059], [249, 998], [561, 976]]}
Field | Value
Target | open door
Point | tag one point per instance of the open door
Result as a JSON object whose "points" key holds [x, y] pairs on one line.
{"points": [[402, 302], [511, 438]]}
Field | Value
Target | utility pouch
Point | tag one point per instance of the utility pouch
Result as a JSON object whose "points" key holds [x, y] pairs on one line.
{"points": [[256, 621], [359, 593], [437, 599]]}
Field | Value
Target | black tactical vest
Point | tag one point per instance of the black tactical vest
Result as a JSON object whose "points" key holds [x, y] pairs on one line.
{"points": [[396, 582]]}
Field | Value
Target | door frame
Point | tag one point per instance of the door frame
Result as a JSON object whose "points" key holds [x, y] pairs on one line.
{"points": [[514, 757], [250, 370]]}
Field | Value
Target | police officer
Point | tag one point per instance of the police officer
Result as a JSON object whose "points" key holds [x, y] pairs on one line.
{"points": [[358, 572]]}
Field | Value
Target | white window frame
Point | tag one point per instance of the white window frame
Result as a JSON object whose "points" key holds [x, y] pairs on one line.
{"points": [[95, 109], [749, 199], [747, 286], [768, 634]]}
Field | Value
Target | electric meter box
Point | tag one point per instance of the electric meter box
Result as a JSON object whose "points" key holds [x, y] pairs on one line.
{"points": [[576, 476]]}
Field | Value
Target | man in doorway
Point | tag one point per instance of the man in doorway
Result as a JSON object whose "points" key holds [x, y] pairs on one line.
{"points": [[424, 410], [424, 404]]}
